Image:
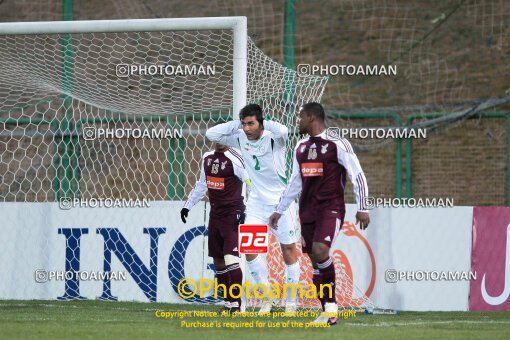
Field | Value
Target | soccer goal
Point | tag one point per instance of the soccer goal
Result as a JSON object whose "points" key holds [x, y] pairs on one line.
{"points": [[77, 99], [60, 80]]}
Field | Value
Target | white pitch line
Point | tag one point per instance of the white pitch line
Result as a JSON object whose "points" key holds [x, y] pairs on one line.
{"points": [[62, 306], [421, 323]]}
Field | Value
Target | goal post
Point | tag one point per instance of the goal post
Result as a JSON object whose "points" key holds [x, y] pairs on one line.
{"points": [[67, 29], [59, 77], [237, 24]]}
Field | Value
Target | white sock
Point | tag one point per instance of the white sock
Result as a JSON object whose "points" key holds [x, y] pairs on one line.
{"points": [[258, 270], [292, 275]]}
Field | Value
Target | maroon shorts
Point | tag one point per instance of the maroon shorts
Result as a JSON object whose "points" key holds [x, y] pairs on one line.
{"points": [[223, 235], [324, 229]]}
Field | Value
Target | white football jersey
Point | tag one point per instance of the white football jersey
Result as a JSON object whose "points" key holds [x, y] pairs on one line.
{"points": [[264, 158]]}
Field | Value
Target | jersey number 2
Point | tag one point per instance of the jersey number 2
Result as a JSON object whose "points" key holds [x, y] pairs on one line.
{"points": [[257, 164]]}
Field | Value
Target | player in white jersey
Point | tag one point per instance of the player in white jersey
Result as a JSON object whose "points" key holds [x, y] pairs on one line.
{"points": [[263, 148]]}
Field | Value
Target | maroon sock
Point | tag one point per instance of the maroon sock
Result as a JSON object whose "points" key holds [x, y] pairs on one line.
{"points": [[327, 271], [223, 278], [236, 277], [317, 280]]}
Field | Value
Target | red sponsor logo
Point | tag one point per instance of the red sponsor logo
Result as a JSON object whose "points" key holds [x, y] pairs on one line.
{"points": [[312, 169], [253, 238], [215, 183]]}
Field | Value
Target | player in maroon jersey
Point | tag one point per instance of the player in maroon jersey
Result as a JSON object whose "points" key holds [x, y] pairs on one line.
{"points": [[222, 174], [320, 168]]}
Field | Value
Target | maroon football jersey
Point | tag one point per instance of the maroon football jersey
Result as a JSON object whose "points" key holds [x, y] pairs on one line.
{"points": [[319, 172], [323, 178], [221, 176], [224, 187]]}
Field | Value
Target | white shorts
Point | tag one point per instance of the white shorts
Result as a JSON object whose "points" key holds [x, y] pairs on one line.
{"points": [[287, 232]]}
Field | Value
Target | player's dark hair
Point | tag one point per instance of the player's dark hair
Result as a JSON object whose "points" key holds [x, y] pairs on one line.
{"points": [[314, 109], [252, 110]]}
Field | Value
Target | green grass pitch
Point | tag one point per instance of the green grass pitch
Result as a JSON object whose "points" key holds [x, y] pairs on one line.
{"points": [[132, 320]]}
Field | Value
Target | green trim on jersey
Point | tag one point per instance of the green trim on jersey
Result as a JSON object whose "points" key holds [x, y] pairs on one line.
{"points": [[282, 178]]}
